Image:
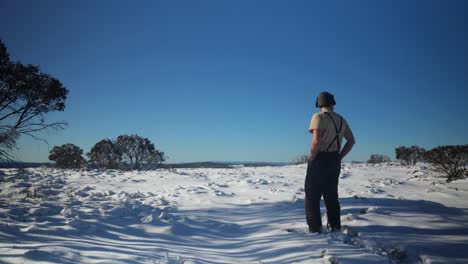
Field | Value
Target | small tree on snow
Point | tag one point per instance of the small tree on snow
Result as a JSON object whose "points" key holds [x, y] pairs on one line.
{"points": [[301, 159], [105, 154], [67, 156], [453, 160], [378, 158], [138, 153], [409, 155]]}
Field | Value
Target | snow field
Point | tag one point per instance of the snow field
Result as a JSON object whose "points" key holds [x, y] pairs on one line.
{"points": [[390, 213]]}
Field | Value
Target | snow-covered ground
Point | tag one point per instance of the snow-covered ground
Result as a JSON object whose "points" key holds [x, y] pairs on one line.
{"points": [[390, 213]]}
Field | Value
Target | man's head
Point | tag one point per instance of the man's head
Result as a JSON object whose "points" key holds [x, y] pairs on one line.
{"points": [[325, 99]]}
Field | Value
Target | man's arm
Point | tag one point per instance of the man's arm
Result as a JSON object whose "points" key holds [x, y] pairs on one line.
{"points": [[315, 143], [349, 143]]}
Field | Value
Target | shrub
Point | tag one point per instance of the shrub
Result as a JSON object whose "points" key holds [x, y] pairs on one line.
{"points": [[409, 155], [450, 159], [301, 159], [105, 155], [378, 158], [67, 156], [138, 153]]}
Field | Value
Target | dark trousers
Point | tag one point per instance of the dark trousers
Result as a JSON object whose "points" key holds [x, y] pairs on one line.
{"points": [[322, 179]]}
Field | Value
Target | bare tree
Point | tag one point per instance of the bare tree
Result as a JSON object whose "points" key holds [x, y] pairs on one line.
{"points": [[26, 96]]}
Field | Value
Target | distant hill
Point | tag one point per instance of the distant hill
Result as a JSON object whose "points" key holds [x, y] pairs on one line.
{"points": [[206, 164], [221, 164]]}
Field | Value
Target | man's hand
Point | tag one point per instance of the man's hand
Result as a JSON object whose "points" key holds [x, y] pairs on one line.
{"points": [[350, 141]]}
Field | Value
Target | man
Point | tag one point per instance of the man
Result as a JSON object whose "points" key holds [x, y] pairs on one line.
{"points": [[323, 170]]}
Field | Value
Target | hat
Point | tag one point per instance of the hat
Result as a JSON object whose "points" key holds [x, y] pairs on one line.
{"points": [[325, 99]]}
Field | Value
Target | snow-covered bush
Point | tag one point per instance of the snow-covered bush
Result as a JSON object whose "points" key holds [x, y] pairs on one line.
{"points": [[67, 156], [138, 153], [453, 160], [301, 159], [127, 152], [378, 158], [409, 155], [105, 155]]}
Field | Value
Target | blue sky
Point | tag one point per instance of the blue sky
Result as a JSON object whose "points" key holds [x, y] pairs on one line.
{"points": [[237, 80]]}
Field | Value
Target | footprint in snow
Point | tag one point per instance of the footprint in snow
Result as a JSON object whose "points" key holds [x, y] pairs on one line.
{"points": [[53, 256], [222, 185], [22, 184], [274, 190], [197, 190], [329, 258], [345, 175], [133, 180], [221, 193], [298, 230], [262, 182], [375, 190]]}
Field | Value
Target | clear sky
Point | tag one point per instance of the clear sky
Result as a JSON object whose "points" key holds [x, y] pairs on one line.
{"points": [[237, 80]]}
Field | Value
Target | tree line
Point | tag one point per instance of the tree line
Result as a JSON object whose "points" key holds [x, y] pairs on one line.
{"points": [[452, 160], [27, 95], [127, 152]]}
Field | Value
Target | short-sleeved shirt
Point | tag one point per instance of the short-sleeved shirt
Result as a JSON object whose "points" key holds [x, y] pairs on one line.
{"points": [[324, 124]]}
